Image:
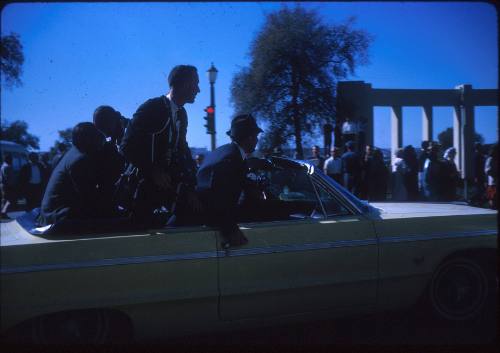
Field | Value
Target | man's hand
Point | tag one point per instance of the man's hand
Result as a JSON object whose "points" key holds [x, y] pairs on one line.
{"points": [[236, 238], [161, 179]]}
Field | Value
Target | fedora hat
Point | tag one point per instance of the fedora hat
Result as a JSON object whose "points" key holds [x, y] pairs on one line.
{"points": [[243, 125]]}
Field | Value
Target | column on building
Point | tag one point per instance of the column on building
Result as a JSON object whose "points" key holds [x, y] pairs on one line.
{"points": [[427, 123], [396, 130], [463, 132]]}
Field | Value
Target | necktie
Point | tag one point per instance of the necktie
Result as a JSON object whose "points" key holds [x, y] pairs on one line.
{"points": [[180, 127]]}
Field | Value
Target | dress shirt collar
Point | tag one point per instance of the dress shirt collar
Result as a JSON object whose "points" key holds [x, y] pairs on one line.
{"points": [[243, 154], [174, 107]]}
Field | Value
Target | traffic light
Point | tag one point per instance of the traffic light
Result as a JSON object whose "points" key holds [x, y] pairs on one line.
{"points": [[210, 118]]}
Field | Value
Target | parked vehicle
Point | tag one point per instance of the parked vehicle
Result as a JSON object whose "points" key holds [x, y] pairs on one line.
{"points": [[18, 152], [314, 250]]}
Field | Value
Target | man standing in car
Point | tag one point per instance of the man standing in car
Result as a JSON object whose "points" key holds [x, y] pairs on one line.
{"points": [[221, 179], [155, 143]]}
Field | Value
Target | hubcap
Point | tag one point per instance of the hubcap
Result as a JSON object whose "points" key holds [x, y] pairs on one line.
{"points": [[459, 290]]}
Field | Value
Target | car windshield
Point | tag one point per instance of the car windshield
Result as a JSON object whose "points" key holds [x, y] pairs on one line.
{"points": [[361, 204]]}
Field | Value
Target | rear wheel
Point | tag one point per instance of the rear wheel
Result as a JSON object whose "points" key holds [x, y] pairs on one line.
{"points": [[461, 289]]}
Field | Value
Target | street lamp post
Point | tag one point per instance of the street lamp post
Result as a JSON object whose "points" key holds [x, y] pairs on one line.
{"points": [[212, 76]]}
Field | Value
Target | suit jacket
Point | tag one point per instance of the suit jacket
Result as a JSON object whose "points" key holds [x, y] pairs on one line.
{"points": [[220, 181], [81, 186], [153, 139]]}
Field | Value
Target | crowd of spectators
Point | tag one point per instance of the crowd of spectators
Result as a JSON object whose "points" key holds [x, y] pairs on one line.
{"points": [[427, 175]]}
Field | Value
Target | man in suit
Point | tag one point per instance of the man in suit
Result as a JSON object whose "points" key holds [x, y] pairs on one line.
{"points": [[31, 181], [221, 179], [82, 184], [155, 143], [351, 168]]}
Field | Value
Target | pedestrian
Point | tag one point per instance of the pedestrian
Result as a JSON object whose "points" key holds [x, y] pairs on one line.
{"points": [[199, 158], [155, 144], [432, 174], [411, 176], [351, 168], [422, 157], [491, 171], [377, 176], [31, 181], [350, 130], [451, 176], [316, 159], [399, 171], [8, 185], [479, 187], [333, 165]]}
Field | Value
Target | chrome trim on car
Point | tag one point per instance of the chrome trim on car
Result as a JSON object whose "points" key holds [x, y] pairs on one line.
{"points": [[243, 252], [296, 247], [405, 238], [111, 262]]}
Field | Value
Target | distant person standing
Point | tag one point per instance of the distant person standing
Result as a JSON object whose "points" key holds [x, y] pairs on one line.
{"points": [[351, 168], [377, 176], [350, 130], [7, 184], [198, 159], [424, 154], [411, 176], [451, 176], [365, 182], [316, 159], [432, 174], [491, 171], [333, 165], [31, 181], [399, 171], [479, 189]]}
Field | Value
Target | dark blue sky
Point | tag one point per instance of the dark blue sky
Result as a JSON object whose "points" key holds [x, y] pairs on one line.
{"points": [[81, 55]]}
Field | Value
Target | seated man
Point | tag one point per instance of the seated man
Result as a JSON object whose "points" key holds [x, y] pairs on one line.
{"points": [[110, 122], [221, 179], [82, 184]]}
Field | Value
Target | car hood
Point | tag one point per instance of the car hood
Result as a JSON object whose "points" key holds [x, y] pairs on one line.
{"points": [[388, 210]]}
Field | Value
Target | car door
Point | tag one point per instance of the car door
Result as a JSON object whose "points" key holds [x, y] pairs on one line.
{"points": [[304, 260]]}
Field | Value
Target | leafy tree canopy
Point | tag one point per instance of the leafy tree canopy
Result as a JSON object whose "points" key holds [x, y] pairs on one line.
{"points": [[17, 132], [11, 59], [290, 83], [64, 141], [445, 138]]}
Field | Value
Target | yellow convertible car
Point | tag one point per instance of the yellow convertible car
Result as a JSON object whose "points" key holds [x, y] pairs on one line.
{"points": [[314, 250]]}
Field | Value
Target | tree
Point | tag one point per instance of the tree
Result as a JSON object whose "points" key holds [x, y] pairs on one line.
{"points": [[12, 59], [296, 61], [445, 138], [64, 140], [17, 132]]}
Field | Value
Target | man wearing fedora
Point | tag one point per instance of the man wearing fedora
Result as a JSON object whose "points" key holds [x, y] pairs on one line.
{"points": [[221, 179]]}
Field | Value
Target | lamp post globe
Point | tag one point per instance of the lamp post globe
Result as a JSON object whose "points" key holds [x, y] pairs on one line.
{"points": [[212, 74]]}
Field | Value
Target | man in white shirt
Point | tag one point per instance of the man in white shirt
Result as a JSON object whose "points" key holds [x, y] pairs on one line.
{"points": [[333, 165], [31, 181]]}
